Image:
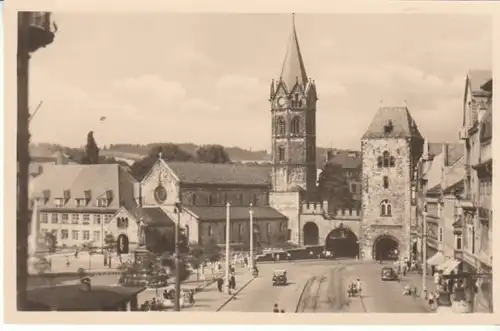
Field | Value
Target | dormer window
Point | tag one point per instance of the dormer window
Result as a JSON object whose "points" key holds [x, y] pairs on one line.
{"points": [[59, 202], [102, 202], [80, 202]]}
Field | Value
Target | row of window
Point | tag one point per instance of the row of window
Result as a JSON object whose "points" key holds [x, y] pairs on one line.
{"points": [[63, 234], [81, 202], [256, 229], [281, 125], [63, 218]]}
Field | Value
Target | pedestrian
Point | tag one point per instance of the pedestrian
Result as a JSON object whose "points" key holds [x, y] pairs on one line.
{"points": [[276, 309], [430, 299], [282, 311], [358, 286], [404, 270], [289, 256], [232, 282], [220, 282], [278, 258]]}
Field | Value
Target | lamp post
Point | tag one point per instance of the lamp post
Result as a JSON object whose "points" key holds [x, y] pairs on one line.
{"points": [[424, 250], [228, 234], [251, 237], [178, 209]]}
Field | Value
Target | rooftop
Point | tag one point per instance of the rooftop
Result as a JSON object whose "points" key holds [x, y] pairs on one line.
{"points": [[154, 216], [477, 79], [293, 70], [221, 174], [97, 179], [392, 122], [74, 298]]}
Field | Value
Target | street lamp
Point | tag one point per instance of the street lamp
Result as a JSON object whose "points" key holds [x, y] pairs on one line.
{"points": [[178, 210], [228, 234], [251, 237], [424, 250]]}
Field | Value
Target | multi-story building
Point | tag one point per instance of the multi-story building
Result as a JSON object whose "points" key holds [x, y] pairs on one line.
{"points": [[476, 220], [441, 181], [79, 204]]}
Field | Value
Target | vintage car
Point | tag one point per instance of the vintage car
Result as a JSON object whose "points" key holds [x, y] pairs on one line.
{"points": [[279, 277], [388, 273]]}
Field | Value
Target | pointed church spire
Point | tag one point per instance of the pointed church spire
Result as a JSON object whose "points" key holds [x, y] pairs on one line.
{"points": [[293, 69]]}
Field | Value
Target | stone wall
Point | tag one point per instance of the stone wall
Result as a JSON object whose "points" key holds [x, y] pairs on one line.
{"points": [[398, 194], [288, 203]]}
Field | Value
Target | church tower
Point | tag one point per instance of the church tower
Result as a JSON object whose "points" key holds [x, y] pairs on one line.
{"points": [[293, 109]]}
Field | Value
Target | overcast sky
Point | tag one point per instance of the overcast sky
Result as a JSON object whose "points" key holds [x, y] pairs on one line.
{"points": [[204, 78]]}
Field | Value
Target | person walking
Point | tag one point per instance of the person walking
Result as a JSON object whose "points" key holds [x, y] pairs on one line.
{"points": [[232, 282], [431, 299], [275, 308], [220, 282]]}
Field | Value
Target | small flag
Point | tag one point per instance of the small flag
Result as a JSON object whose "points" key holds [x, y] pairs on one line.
{"points": [[102, 118]]}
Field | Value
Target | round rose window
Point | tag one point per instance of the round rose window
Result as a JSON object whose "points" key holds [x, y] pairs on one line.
{"points": [[160, 194]]}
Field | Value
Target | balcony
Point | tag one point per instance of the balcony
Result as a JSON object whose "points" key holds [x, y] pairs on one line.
{"points": [[40, 29]]}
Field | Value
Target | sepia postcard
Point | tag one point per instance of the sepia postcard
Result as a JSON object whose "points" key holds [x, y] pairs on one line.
{"points": [[249, 163]]}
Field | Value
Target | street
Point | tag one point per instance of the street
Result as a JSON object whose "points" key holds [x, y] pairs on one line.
{"points": [[326, 290]]}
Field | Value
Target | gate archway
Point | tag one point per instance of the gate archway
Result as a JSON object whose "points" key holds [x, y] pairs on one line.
{"points": [[342, 242], [122, 244], [311, 234], [386, 247]]}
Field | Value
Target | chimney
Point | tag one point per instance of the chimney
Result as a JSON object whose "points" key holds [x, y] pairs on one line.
{"points": [[88, 195], [66, 195], [329, 155], [445, 154], [109, 195], [46, 196]]}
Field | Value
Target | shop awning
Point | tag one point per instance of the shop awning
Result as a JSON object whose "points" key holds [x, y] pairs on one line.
{"points": [[436, 259], [450, 265]]}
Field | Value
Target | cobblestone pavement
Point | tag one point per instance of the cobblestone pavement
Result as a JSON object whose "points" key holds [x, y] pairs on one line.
{"points": [[327, 290]]}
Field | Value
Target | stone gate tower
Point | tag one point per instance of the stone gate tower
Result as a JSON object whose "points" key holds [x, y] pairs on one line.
{"points": [[390, 149], [293, 139], [293, 108]]}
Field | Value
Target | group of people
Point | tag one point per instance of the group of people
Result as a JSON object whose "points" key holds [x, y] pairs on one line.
{"points": [[231, 280], [276, 309], [354, 288]]}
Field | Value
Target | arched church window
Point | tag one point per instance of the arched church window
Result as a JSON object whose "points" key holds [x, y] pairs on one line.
{"points": [[392, 161], [268, 229], [194, 199], [186, 232], [387, 158], [280, 125], [281, 153], [210, 231], [386, 182], [385, 208], [295, 125]]}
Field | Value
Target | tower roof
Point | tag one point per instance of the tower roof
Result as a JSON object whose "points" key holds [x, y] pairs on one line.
{"points": [[293, 69], [392, 122]]}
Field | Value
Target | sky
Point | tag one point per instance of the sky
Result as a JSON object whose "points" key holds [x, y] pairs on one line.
{"points": [[205, 78]]}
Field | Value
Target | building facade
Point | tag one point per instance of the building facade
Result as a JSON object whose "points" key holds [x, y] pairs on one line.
{"points": [[391, 148], [80, 204], [476, 219]]}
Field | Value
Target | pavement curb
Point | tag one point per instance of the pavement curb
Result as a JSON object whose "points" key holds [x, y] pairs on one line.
{"points": [[301, 295], [235, 293]]}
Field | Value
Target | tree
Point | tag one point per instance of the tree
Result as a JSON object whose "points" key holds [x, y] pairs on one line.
{"points": [[169, 152], [91, 150], [196, 259], [334, 188], [212, 154], [211, 250], [110, 241]]}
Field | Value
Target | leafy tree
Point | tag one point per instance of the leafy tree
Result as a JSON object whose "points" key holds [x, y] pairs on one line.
{"points": [[91, 150], [212, 154], [169, 152], [211, 250], [334, 188], [110, 242], [197, 256]]}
